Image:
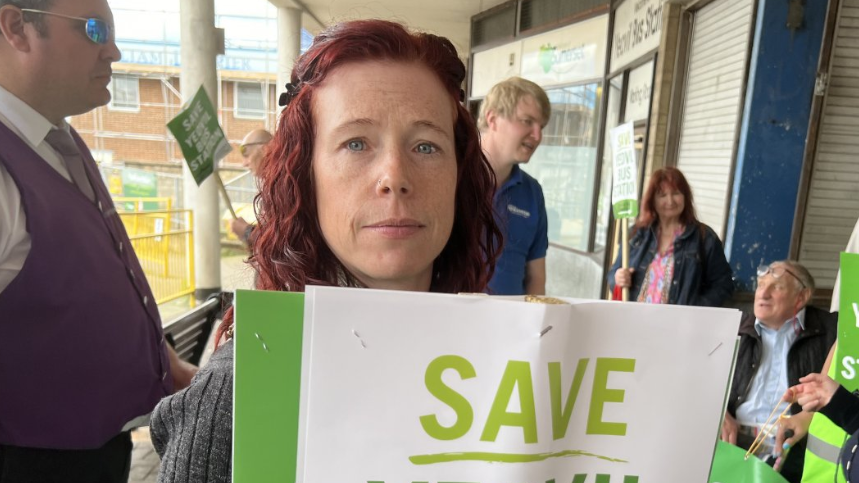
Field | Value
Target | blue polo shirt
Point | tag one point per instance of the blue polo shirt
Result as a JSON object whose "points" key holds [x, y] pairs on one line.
{"points": [[520, 212]]}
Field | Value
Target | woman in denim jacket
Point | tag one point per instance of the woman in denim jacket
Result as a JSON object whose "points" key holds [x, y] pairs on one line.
{"points": [[674, 258]]}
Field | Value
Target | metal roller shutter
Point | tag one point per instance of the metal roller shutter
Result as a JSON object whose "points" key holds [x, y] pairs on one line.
{"points": [[715, 83], [833, 195]]}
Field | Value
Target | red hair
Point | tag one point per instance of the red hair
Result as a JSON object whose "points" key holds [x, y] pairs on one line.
{"points": [[289, 251], [662, 180]]}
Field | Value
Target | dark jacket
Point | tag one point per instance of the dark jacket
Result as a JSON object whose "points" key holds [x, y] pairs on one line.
{"points": [[702, 275], [806, 355]]}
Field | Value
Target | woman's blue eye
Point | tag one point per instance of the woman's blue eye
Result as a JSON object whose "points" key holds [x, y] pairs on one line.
{"points": [[355, 145], [426, 148]]}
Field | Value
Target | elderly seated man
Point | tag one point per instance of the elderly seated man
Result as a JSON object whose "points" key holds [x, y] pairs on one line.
{"points": [[784, 340]]}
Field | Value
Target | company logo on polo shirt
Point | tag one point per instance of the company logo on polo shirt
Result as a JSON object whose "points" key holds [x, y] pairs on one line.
{"points": [[518, 211]]}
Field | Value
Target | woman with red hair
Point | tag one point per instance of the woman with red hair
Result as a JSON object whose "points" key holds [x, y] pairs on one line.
{"points": [[375, 178], [674, 258]]}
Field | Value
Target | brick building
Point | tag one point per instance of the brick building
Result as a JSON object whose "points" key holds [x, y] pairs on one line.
{"points": [[132, 128]]}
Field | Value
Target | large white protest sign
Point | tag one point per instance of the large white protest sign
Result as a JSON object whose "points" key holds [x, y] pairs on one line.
{"points": [[357, 385], [405, 387]]}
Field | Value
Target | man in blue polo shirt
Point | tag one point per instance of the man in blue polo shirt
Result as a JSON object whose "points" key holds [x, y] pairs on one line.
{"points": [[511, 122]]}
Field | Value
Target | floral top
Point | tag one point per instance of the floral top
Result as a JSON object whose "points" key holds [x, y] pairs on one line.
{"points": [[660, 273]]}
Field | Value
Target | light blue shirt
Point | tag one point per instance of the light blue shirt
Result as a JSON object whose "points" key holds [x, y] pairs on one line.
{"points": [[770, 381]]}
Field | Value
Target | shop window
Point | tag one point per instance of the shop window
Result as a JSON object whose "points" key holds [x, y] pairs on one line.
{"points": [[639, 89], [124, 93], [565, 163], [614, 98], [250, 101]]}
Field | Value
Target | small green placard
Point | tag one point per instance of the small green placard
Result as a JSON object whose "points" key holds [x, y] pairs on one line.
{"points": [[847, 360], [200, 136], [268, 340], [731, 466], [624, 190]]}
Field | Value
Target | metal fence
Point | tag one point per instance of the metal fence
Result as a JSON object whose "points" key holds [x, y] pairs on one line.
{"points": [[168, 184], [241, 189], [164, 243]]}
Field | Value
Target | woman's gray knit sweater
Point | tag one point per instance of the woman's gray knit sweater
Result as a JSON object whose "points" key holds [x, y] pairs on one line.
{"points": [[192, 430]]}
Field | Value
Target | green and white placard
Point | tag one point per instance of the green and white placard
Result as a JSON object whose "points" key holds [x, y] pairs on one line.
{"points": [[624, 190], [359, 385], [730, 465], [847, 359], [200, 136]]}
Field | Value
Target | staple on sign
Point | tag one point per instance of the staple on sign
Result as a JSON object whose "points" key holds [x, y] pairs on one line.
{"points": [[714, 349], [545, 331], [264, 346], [359, 339]]}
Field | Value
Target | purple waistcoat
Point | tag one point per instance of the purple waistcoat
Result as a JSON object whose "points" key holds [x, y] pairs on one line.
{"points": [[81, 346]]}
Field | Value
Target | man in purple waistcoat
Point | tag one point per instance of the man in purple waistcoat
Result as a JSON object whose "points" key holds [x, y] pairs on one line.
{"points": [[82, 355]]}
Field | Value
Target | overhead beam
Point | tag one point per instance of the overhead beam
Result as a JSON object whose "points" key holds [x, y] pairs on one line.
{"points": [[301, 6]]}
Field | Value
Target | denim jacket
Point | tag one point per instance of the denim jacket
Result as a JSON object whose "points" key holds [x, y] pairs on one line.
{"points": [[702, 275]]}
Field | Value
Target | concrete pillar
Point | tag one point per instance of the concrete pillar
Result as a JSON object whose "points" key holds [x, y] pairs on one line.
{"points": [[198, 54], [288, 43], [663, 80]]}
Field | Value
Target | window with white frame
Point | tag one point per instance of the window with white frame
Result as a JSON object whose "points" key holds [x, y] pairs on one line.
{"points": [[250, 102], [125, 93], [565, 163]]}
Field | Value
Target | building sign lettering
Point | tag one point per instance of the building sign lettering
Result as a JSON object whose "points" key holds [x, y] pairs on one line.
{"points": [[637, 29], [172, 58], [567, 55], [638, 94]]}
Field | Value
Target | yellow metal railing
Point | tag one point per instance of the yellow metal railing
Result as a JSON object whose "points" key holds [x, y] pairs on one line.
{"points": [[164, 244], [154, 213], [137, 204]]}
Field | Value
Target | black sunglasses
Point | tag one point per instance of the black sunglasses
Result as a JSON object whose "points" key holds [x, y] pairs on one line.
{"points": [[245, 148]]}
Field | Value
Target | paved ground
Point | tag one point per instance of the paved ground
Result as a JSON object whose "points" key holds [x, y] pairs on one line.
{"points": [[144, 461]]}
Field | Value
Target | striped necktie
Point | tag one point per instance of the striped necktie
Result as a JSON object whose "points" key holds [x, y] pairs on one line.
{"points": [[61, 140]]}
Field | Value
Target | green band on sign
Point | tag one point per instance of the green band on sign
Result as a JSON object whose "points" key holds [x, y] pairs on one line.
{"points": [[429, 459], [268, 337], [847, 360], [625, 209]]}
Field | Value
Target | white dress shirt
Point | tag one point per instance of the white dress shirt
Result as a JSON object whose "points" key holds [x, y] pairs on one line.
{"points": [[31, 127]]}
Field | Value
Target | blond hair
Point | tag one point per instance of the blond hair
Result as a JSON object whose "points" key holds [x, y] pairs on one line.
{"points": [[505, 96]]}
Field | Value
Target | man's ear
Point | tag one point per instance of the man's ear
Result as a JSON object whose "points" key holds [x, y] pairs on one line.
{"points": [[804, 299], [491, 119], [12, 28]]}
